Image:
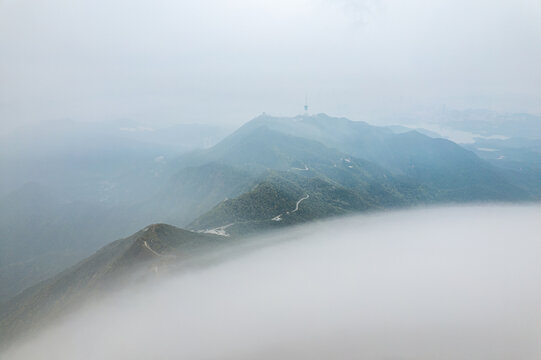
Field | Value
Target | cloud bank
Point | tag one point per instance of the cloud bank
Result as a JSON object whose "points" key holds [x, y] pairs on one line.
{"points": [[445, 283]]}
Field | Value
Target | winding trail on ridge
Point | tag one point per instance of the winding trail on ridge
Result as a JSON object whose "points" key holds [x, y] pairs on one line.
{"points": [[279, 217], [145, 244], [220, 230], [298, 202]]}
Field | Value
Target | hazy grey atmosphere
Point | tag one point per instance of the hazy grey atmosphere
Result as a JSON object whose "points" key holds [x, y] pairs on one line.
{"points": [[302, 179], [446, 283], [223, 62]]}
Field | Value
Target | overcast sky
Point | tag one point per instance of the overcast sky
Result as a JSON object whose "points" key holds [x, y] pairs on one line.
{"points": [[211, 61]]}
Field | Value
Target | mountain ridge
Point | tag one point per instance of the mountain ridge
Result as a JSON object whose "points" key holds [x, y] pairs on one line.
{"points": [[124, 261]]}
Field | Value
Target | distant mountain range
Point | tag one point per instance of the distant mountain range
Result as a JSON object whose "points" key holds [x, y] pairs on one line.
{"points": [[345, 166], [270, 173]]}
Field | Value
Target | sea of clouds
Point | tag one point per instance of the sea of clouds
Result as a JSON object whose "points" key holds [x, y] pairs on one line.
{"points": [[432, 283]]}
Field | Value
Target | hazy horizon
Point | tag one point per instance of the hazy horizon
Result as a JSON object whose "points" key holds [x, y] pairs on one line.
{"points": [[222, 63]]}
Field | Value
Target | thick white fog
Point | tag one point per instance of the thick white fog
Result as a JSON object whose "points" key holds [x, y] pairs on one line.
{"points": [[437, 283]]}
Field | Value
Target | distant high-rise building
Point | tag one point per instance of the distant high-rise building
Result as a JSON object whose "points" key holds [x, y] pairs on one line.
{"points": [[306, 104]]}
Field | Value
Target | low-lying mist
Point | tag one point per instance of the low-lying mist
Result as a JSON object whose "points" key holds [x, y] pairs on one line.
{"points": [[436, 283]]}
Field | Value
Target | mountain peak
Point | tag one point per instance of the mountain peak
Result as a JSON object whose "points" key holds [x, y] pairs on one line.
{"points": [[158, 228]]}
